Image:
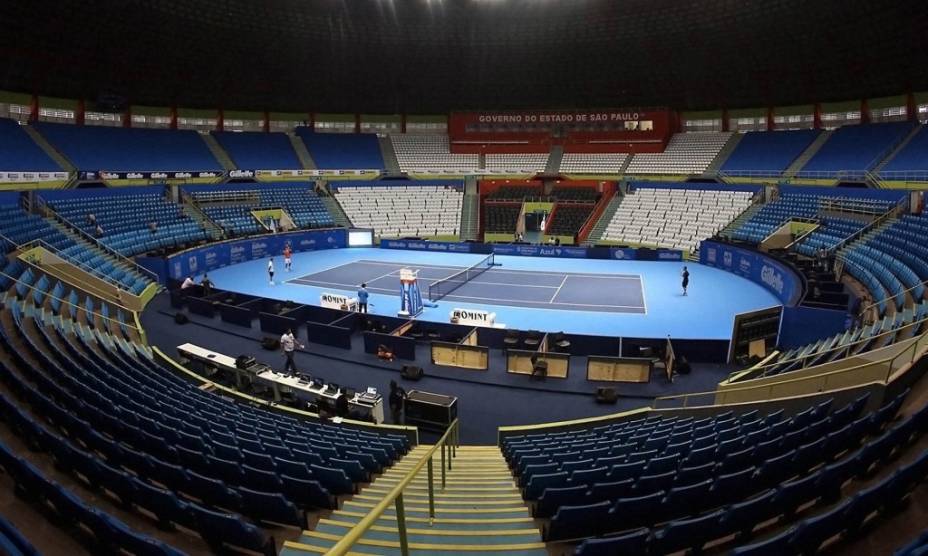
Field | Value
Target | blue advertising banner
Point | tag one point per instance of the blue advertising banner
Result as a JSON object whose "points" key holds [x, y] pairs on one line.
{"points": [[440, 246], [541, 251], [217, 255], [755, 266]]}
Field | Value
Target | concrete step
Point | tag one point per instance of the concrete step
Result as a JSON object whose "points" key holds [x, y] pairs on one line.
{"points": [[59, 158], [221, 155], [302, 153]]}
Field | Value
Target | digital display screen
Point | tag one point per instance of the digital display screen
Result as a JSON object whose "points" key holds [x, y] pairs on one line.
{"points": [[360, 238]]}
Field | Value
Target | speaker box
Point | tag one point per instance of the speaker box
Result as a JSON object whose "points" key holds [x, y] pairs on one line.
{"points": [[605, 394], [412, 372], [180, 318], [270, 343]]}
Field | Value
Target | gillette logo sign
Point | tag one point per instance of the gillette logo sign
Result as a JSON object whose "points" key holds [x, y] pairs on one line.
{"points": [[772, 278]]}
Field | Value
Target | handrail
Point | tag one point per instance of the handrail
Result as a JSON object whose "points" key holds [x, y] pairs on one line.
{"points": [[49, 295], [869, 227], [893, 367], [848, 348], [843, 258], [100, 245], [70, 260], [449, 438]]}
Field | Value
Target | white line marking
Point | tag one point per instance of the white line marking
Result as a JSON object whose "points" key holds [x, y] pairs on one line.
{"points": [[498, 271], [644, 298], [558, 290]]}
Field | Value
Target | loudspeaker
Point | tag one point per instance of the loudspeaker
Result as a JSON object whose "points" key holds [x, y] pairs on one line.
{"points": [[605, 394], [180, 318], [270, 343], [412, 372]]}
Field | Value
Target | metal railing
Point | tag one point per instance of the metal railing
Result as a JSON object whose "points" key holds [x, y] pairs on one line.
{"points": [[892, 298], [448, 443], [74, 262], [134, 266], [834, 355], [894, 211], [879, 371]]}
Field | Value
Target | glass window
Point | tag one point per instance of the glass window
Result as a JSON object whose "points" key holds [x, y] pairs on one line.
{"points": [[140, 120], [923, 113], [744, 125], [335, 127], [714, 124], [200, 124], [18, 112], [426, 127], [286, 126], [834, 120], [61, 115], [103, 119], [243, 125], [890, 114], [794, 121]]}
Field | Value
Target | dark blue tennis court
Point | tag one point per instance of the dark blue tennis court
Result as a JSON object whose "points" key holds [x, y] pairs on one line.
{"points": [[568, 291]]}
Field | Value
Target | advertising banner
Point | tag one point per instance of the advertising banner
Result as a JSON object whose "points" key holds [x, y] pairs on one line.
{"points": [[761, 269], [217, 255]]}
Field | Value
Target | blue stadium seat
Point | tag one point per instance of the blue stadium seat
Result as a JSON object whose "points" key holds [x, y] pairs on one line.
{"points": [[633, 543]]}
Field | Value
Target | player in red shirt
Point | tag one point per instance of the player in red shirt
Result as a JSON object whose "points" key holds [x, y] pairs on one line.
{"points": [[287, 260]]}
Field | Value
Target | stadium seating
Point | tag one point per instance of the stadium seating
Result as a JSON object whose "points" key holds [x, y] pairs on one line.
{"points": [[805, 205], [855, 149], [911, 162], [342, 151], [727, 474], [117, 149], [575, 194], [404, 210], [231, 206], [515, 192], [430, 154], [126, 215], [516, 163], [686, 153], [19, 153], [501, 219], [568, 218], [767, 153], [592, 163], [674, 218], [259, 151], [120, 421], [22, 228]]}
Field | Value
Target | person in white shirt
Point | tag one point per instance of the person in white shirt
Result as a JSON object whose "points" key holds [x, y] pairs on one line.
{"points": [[270, 270], [188, 282], [288, 344]]}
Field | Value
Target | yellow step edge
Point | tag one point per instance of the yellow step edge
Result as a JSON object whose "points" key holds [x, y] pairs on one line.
{"points": [[432, 546], [447, 490], [318, 549], [442, 520], [438, 532], [425, 509], [492, 500]]}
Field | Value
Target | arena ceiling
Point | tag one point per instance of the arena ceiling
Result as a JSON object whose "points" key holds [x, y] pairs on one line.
{"points": [[434, 56]]}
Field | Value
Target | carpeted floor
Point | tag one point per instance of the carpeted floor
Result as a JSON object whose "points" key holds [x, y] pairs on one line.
{"points": [[486, 399]]}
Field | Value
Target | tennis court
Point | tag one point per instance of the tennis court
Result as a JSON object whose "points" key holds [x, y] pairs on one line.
{"points": [[568, 291]]}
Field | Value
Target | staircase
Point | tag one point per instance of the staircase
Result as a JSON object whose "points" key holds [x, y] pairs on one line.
{"points": [[746, 215], [480, 510], [807, 154], [481, 161], [51, 151], [390, 162], [119, 260], [335, 209], [596, 234], [879, 167], [553, 166], [192, 211], [221, 155], [302, 153], [470, 217], [713, 169]]}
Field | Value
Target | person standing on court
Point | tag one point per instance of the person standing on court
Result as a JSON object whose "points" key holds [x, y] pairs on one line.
{"points": [[686, 279], [396, 401], [270, 270], [288, 262], [288, 344], [362, 299]]}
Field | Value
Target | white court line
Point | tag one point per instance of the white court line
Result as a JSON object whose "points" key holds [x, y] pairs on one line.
{"points": [[644, 297], [564, 281]]}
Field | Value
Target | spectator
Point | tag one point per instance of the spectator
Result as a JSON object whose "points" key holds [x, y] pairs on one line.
{"points": [[288, 345], [207, 285], [341, 406], [397, 400], [92, 220], [153, 227], [99, 231], [188, 283], [362, 298]]}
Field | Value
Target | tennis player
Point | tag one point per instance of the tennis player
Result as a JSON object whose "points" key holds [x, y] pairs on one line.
{"points": [[288, 262], [270, 270], [686, 279], [362, 298]]}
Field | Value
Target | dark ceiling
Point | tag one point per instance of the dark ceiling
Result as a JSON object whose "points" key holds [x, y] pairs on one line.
{"points": [[434, 56]]}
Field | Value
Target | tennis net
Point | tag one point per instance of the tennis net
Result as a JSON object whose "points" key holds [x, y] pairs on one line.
{"points": [[445, 286]]}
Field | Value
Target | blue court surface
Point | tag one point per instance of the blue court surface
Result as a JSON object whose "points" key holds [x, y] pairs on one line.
{"points": [[638, 299], [616, 293]]}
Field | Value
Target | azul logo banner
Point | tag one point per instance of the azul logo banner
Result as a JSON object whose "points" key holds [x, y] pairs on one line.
{"points": [[755, 266]]}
